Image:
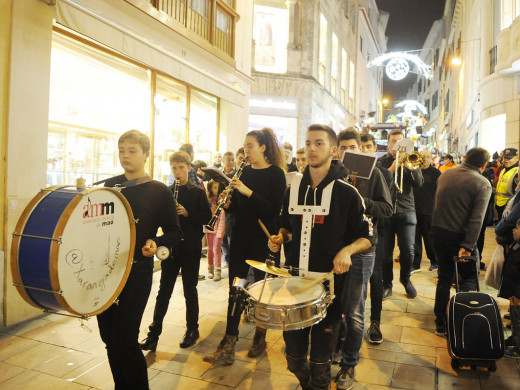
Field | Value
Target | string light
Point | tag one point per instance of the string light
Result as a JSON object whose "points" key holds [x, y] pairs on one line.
{"points": [[397, 66]]}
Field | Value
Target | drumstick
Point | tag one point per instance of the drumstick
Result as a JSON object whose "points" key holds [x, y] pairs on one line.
{"points": [[264, 228], [313, 282]]}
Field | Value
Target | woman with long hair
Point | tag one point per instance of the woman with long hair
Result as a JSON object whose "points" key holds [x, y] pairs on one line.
{"points": [[257, 195]]}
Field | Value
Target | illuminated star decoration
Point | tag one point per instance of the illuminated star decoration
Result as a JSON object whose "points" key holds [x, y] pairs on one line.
{"points": [[397, 66]]}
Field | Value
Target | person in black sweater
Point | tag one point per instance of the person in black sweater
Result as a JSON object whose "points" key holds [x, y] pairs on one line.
{"points": [[257, 195], [424, 197], [325, 217], [153, 206], [402, 223], [193, 211]]}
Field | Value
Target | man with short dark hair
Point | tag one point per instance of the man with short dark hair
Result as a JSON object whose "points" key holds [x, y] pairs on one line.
{"points": [[424, 197], [378, 203], [460, 204], [153, 206], [325, 216], [403, 222]]}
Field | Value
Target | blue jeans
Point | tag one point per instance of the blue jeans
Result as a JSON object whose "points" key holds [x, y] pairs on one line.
{"points": [[445, 248], [354, 308], [404, 226]]}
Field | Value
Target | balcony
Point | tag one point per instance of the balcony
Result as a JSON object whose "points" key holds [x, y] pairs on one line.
{"points": [[208, 23]]}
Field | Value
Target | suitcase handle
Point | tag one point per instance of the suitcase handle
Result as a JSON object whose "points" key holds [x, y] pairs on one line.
{"points": [[457, 260]]}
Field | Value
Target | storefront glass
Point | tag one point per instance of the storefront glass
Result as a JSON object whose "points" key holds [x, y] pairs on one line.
{"points": [[203, 125], [170, 124], [94, 98], [284, 128]]}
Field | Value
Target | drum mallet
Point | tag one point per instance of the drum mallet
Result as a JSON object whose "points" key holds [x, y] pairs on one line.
{"points": [[162, 253], [313, 282]]}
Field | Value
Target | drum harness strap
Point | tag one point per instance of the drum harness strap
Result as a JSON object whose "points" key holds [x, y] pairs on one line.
{"points": [[308, 212]]}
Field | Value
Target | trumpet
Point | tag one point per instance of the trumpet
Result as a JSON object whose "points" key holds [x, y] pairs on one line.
{"points": [[412, 161], [222, 201]]}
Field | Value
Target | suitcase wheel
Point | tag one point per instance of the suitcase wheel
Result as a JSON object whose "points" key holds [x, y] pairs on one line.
{"points": [[492, 367], [455, 364]]}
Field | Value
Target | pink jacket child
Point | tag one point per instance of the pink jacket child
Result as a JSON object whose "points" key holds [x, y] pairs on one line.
{"points": [[215, 237]]}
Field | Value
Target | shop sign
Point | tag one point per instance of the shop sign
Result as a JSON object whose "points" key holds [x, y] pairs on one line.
{"points": [[273, 105]]}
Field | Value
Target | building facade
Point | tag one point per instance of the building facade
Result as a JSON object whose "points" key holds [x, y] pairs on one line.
{"points": [[476, 100], [309, 65], [78, 73]]}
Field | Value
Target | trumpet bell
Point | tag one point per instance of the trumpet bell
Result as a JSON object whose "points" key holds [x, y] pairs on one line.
{"points": [[412, 161]]}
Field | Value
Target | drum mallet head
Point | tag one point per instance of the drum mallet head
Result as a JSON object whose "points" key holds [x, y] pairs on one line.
{"points": [[162, 253]]}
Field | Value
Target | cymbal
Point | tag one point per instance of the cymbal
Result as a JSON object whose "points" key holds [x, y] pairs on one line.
{"points": [[268, 268]]}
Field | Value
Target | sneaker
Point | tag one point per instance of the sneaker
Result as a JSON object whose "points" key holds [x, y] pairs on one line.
{"points": [[410, 289], [509, 342], [433, 267], [374, 333], [345, 378], [415, 270], [387, 292], [510, 353], [440, 330], [201, 277]]}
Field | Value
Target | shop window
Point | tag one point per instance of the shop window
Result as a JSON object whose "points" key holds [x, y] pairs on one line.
{"points": [[334, 65], [322, 59], [94, 98], [169, 124], [344, 80], [203, 124]]}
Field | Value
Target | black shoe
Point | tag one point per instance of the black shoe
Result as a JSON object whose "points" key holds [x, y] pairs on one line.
{"points": [[509, 342], [374, 333], [410, 289], [189, 339], [387, 292], [507, 316], [149, 344], [440, 329]]}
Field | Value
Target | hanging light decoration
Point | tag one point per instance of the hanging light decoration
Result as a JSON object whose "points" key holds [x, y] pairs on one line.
{"points": [[397, 64]]}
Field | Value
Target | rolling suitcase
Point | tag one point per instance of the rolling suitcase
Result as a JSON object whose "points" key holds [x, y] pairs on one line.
{"points": [[474, 327]]}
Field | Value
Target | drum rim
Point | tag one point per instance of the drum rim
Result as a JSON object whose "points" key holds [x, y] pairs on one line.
{"points": [[314, 299], [15, 243], [60, 227], [54, 247]]}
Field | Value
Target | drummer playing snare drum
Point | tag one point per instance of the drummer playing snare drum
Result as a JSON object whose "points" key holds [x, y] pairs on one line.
{"points": [[325, 216], [153, 206]]}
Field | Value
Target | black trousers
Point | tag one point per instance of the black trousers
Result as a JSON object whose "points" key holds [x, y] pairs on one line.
{"points": [[187, 259], [422, 233], [376, 281], [242, 249], [119, 329]]}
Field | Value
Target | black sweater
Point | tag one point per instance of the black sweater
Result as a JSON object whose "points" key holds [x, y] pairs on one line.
{"points": [[268, 186], [404, 202], [193, 198], [153, 207], [345, 223], [424, 196]]}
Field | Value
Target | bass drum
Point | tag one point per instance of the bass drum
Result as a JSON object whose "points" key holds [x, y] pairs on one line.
{"points": [[72, 249]]}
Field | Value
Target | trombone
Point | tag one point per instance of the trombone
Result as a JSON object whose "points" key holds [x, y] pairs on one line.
{"points": [[412, 161]]}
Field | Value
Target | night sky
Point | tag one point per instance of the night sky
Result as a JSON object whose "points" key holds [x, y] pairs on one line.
{"points": [[408, 26]]}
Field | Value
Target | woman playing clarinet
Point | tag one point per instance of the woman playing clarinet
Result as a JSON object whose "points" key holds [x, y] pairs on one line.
{"points": [[257, 195]]}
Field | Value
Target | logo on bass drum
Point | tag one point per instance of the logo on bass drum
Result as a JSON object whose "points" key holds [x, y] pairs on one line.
{"points": [[93, 210]]}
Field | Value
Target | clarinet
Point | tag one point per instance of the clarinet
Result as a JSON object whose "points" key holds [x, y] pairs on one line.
{"points": [[176, 190], [220, 205]]}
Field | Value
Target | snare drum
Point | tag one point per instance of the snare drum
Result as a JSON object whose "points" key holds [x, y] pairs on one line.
{"points": [[281, 308], [72, 250]]}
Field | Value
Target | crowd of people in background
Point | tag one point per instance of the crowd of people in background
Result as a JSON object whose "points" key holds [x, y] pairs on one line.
{"points": [[354, 222]]}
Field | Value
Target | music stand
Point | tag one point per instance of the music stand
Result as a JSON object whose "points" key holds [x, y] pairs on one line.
{"points": [[359, 164], [215, 174]]}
